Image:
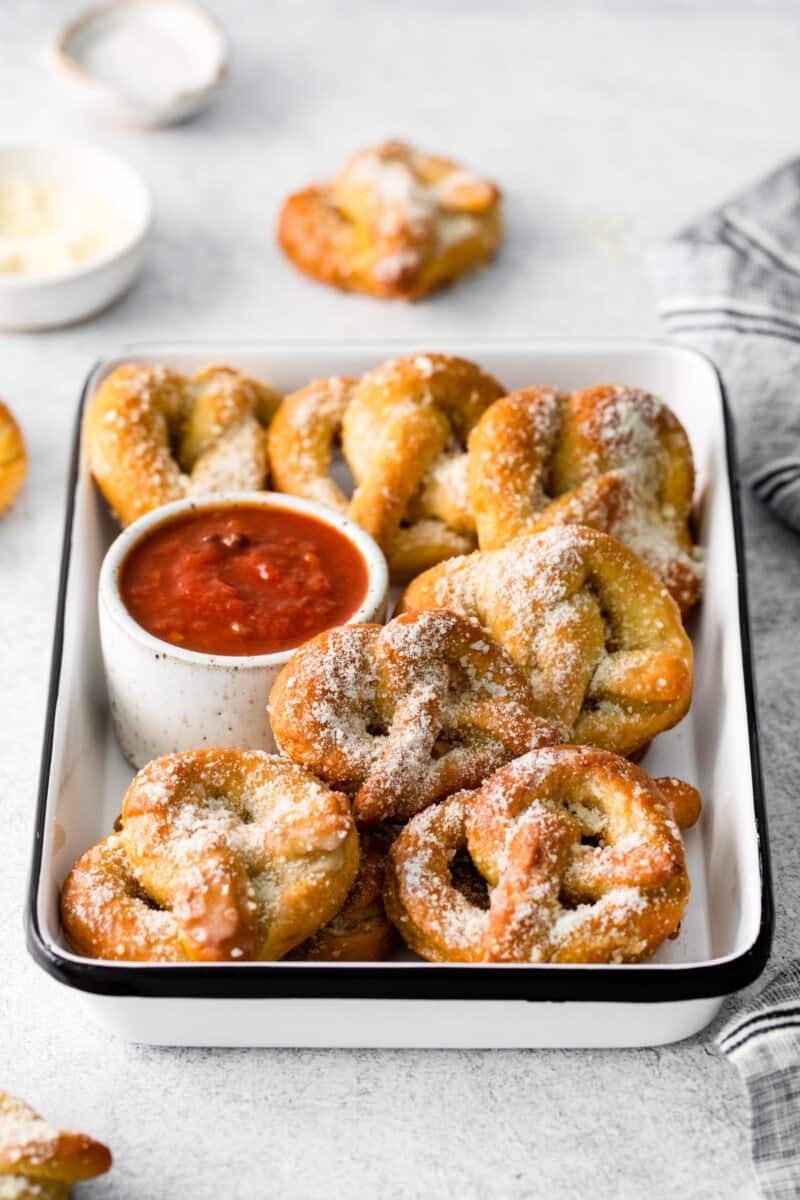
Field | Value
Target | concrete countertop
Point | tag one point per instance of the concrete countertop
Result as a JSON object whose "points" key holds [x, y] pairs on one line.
{"points": [[607, 127]]}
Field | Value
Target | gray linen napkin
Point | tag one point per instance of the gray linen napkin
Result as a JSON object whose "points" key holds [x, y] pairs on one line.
{"points": [[730, 285]]}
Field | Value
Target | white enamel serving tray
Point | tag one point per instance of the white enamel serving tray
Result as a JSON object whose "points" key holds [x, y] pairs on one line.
{"points": [[725, 937]]}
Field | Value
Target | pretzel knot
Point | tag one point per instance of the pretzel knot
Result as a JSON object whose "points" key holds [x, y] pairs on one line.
{"points": [[615, 458], [581, 854], [154, 435], [403, 429], [405, 713], [38, 1162], [597, 634], [223, 855], [395, 223]]}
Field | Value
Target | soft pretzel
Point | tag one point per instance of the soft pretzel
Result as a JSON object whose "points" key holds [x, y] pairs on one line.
{"points": [[222, 855], [612, 457], [395, 222], [580, 852], [405, 713], [106, 913], [302, 437], [403, 429], [153, 435], [584, 856], [13, 458], [433, 915], [38, 1162], [360, 931], [598, 635]]}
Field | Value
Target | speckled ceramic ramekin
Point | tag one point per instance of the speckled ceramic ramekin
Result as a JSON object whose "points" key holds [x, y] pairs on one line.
{"points": [[164, 698]]}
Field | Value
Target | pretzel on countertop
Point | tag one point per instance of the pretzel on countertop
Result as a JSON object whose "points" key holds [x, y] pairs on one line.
{"points": [[395, 223], [38, 1162], [580, 852], [598, 635], [405, 713], [13, 458], [222, 855], [403, 429], [154, 435], [613, 457]]}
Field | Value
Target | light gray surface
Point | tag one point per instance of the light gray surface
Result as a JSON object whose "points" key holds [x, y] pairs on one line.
{"points": [[606, 132]]}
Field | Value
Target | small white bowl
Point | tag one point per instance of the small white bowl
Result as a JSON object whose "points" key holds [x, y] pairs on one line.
{"points": [[144, 62], [44, 301], [164, 698]]}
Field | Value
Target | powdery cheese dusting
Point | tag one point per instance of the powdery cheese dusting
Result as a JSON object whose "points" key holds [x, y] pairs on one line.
{"points": [[23, 1134], [628, 436], [280, 821], [395, 706], [145, 418], [416, 218], [433, 902]]}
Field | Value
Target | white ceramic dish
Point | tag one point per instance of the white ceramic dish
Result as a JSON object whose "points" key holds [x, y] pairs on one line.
{"points": [[144, 62], [29, 302], [164, 698], [725, 938]]}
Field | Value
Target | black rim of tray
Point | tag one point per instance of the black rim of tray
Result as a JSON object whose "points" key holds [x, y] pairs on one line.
{"points": [[427, 981]]}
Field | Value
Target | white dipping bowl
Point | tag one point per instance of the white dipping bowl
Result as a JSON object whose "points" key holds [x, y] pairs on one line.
{"points": [[144, 62], [164, 698], [29, 302]]}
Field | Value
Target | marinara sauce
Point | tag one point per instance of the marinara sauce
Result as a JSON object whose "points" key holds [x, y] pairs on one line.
{"points": [[242, 579]]}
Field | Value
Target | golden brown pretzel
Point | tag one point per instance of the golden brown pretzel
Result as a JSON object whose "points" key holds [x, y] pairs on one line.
{"points": [[222, 855], [405, 713], [13, 458], [153, 435], [302, 437], [433, 915], [579, 849], [404, 435], [613, 457], [584, 856], [361, 930], [38, 1162], [396, 223], [106, 913], [403, 429], [598, 635]]}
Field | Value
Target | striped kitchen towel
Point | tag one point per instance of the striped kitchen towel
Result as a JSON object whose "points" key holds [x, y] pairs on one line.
{"points": [[763, 1040], [730, 285]]}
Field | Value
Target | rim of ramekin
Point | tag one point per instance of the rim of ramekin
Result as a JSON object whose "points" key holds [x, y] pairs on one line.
{"points": [[110, 598]]}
